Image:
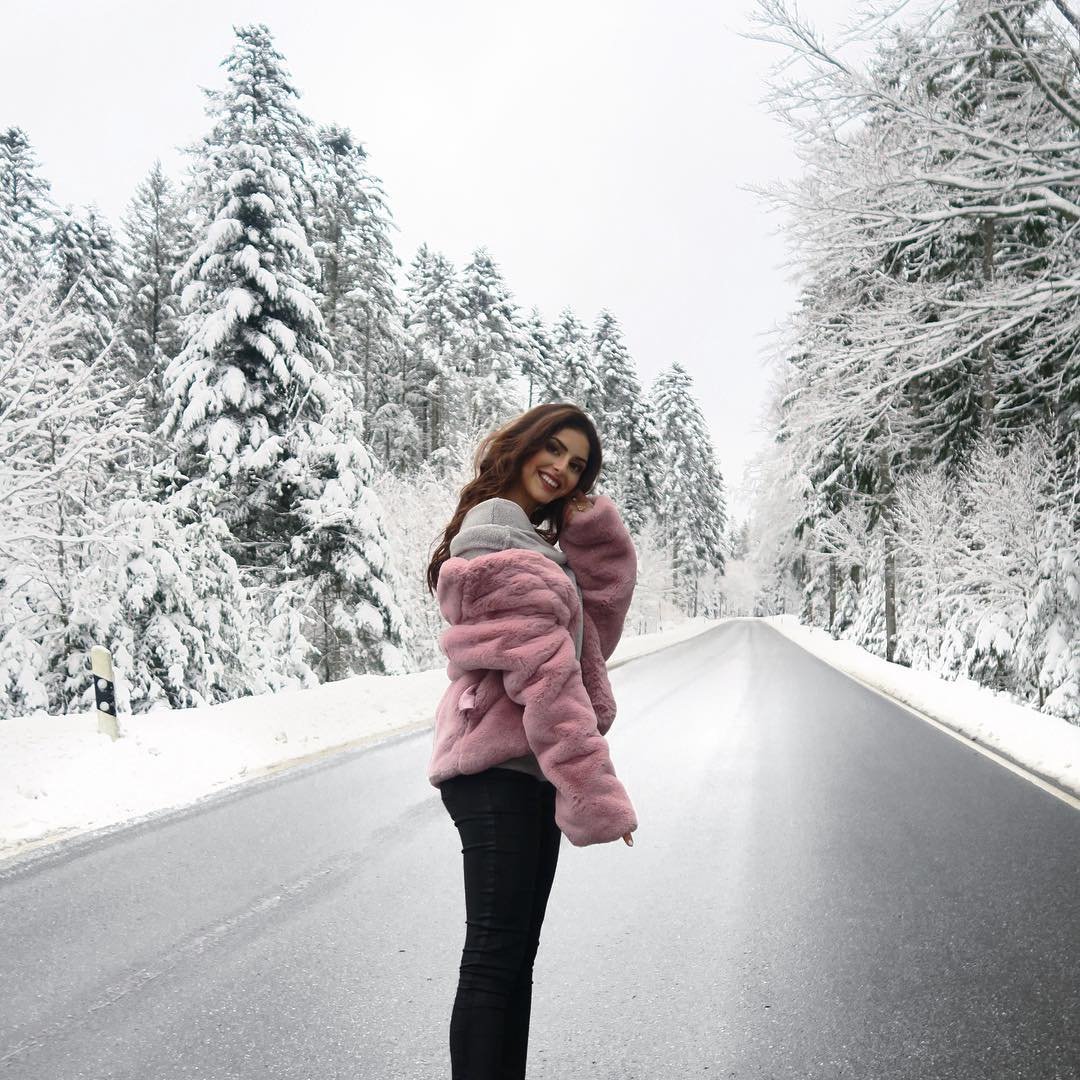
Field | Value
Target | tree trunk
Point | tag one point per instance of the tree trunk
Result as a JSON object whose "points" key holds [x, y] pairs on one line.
{"points": [[832, 591], [886, 487], [986, 352]]}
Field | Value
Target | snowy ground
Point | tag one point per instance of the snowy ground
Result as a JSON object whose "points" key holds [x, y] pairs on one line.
{"points": [[1042, 744], [59, 777]]}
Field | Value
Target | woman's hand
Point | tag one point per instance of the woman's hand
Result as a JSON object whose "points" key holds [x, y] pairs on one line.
{"points": [[577, 502]]}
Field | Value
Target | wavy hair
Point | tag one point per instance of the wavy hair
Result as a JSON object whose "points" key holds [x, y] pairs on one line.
{"points": [[498, 461]]}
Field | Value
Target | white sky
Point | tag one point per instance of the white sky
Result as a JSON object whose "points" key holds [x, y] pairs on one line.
{"points": [[595, 147]]}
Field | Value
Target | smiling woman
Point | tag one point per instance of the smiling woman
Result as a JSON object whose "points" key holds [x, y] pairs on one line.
{"points": [[552, 472], [555, 440], [519, 753]]}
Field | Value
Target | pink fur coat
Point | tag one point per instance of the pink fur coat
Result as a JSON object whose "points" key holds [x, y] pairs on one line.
{"points": [[515, 684]]}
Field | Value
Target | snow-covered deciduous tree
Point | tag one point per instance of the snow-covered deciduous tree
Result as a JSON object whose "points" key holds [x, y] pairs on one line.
{"points": [[934, 227], [423, 502], [67, 428]]}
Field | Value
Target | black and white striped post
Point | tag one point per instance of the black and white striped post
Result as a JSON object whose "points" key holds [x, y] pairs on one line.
{"points": [[101, 666]]}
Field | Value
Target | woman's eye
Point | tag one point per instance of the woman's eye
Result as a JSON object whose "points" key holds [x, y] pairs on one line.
{"points": [[575, 465]]}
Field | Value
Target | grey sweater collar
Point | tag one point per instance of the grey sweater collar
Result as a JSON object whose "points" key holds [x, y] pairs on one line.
{"points": [[497, 524]]}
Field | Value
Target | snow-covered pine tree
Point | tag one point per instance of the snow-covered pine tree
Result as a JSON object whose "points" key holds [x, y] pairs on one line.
{"points": [[85, 268], [631, 441], [257, 106], [253, 407], [26, 211], [494, 348], [84, 264], [152, 249], [433, 319], [176, 614], [354, 588], [576, 376], [538, 364], [692, 499], [351, 236], [255, 365]]}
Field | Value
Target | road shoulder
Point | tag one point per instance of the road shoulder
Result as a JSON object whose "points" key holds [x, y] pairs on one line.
{"points": [[1045, 749]]}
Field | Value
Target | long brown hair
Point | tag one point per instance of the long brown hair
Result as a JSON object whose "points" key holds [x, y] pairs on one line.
{"points": [[498, 461]]}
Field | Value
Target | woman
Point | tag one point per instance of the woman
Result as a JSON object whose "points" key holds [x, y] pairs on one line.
{"points": [[519, 752]]}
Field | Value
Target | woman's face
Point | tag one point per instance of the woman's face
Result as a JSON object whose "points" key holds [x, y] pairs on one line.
{"points": [[562, 460]]}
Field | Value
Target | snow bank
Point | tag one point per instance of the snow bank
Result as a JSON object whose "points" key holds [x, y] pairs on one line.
{"points": [[59, 777], [1045, 745]]}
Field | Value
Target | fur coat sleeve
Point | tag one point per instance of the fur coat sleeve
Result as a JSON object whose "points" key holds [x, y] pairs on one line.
{"points": [[601, 553], [511, 611]]}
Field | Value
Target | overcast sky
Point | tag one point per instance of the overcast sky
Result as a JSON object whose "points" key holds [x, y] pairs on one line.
{"points": [[595, 147]]}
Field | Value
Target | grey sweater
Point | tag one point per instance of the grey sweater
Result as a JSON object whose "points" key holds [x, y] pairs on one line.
{"points": [[494, 525]]}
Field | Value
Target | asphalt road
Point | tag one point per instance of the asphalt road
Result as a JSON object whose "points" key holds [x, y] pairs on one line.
{"points": [[822, 886]]}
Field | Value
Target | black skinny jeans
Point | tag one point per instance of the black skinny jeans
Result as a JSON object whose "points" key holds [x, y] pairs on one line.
{"points": [[510, 844]]}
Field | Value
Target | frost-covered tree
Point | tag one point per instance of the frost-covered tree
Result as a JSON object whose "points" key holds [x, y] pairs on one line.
{"points": [[26, 210], [257, 106], [433, 318], [351, 236], [355, 590], [1049, 644], [255, 413], [493, 346], [631, 440], [423, 501], [576, 374], [692, 498], [66, 428], [934, 229], [152, 251], [929, 525], [181, 627], [539, 365]]}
